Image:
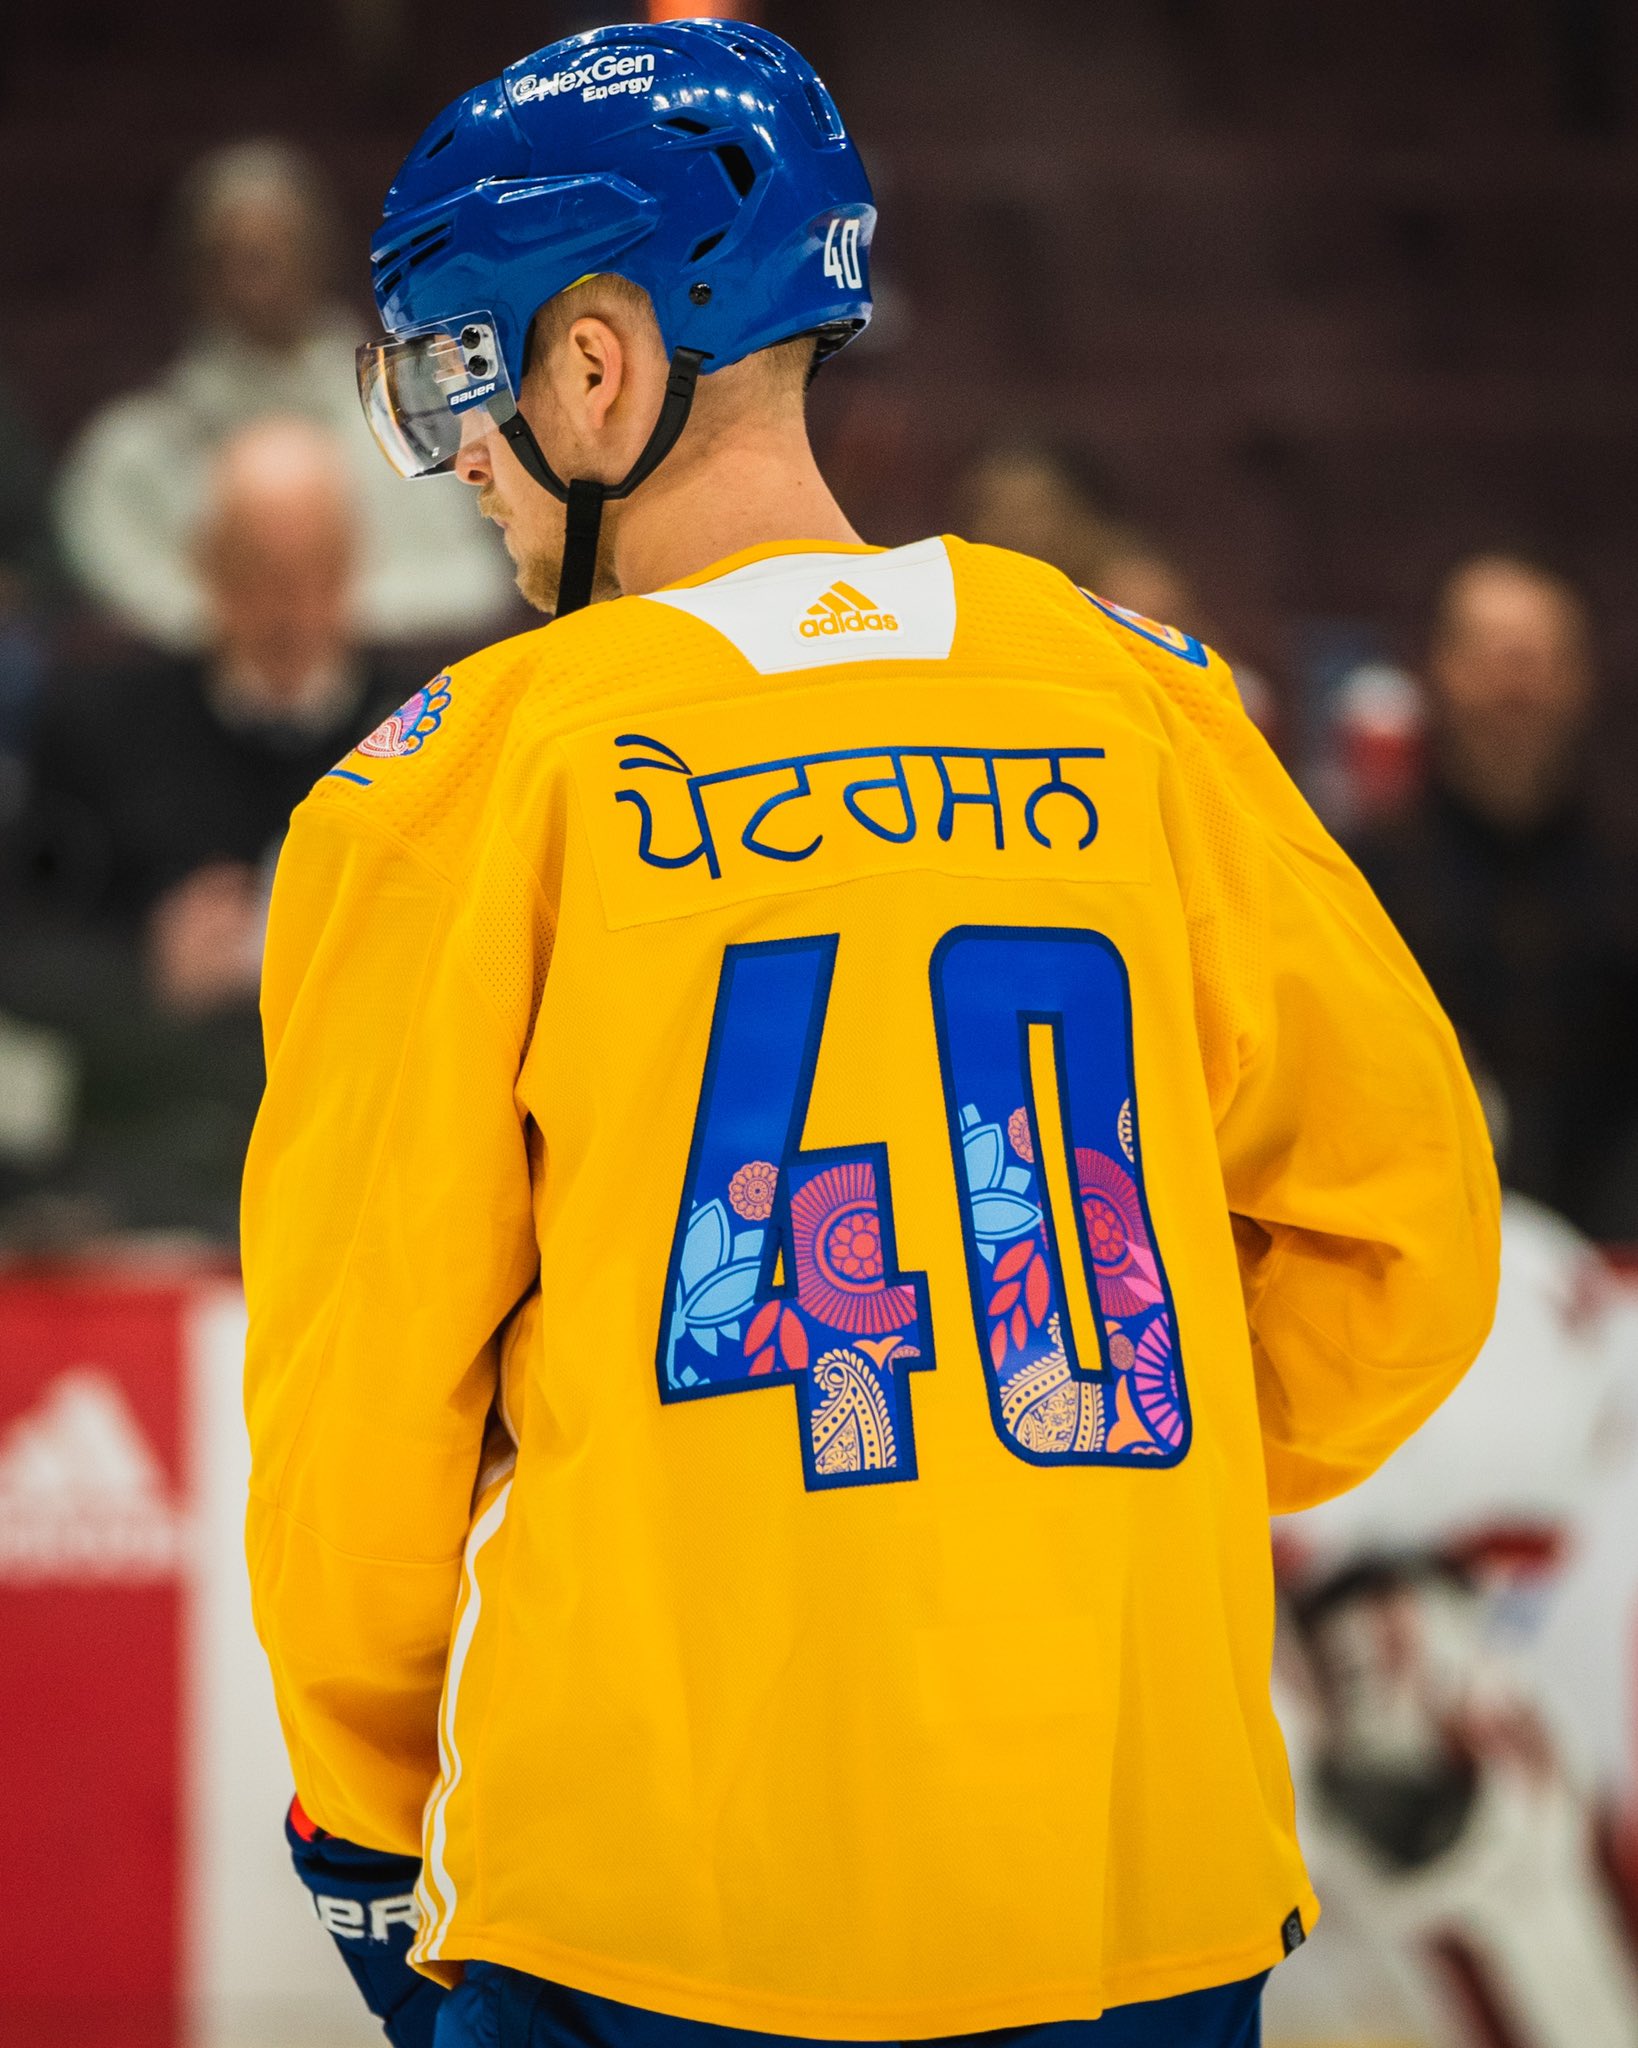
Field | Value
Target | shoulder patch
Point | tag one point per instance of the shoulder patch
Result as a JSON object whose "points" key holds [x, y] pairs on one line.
{"points": [[1172, 638], [406, 731], [412, 724]]}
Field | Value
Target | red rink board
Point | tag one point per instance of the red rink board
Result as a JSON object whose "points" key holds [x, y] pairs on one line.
{"points": [[91, 1620]]}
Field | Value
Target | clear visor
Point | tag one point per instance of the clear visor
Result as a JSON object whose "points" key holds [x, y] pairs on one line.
{"points": [[417, 390]]}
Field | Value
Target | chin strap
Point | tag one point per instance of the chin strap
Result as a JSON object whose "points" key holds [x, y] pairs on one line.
{"points": [[585, 498]]}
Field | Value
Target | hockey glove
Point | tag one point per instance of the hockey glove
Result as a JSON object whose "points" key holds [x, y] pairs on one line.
{"points": [[366, 1899]]}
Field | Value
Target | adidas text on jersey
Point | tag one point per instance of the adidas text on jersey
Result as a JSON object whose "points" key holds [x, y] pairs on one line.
{"points": [[843, 609]]}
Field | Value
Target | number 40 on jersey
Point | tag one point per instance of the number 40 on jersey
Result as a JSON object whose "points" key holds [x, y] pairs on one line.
{"points": [[784, 1267]]}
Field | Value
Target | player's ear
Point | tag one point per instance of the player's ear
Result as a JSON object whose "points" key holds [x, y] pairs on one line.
{"points": [[595, 366]]}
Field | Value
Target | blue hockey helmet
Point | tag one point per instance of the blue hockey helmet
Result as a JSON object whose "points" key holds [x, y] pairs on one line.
{"points": [[702, 160]]}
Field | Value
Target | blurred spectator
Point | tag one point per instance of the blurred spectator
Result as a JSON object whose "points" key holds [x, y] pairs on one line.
{"points": [[255, 245], [1515, 885], [1144, 580], [1041, 502], [160, 786], [1031, 498], [160, 793]]}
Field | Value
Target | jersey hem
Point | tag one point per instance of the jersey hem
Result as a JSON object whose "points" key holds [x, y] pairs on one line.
{"points": [[837, 2020]]}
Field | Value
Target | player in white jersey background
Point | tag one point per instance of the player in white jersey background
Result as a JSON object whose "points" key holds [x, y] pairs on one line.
{"points": [[1457, 1688]]}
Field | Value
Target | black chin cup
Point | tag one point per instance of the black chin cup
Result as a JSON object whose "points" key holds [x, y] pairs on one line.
{"points": [[585, 498]]}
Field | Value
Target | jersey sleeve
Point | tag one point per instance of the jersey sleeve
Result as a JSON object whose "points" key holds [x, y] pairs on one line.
{"points": [[387, 1236], [1355, 1157]]}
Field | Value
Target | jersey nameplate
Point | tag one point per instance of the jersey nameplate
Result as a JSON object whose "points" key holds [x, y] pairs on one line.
{"points": [[693, 809]]}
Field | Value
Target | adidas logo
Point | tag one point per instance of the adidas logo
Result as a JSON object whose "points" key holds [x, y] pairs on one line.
{"points": [[843, 609], [82, 1495]]}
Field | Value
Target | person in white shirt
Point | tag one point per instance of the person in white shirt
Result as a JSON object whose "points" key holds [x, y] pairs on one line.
{"points": [[266, 339]]}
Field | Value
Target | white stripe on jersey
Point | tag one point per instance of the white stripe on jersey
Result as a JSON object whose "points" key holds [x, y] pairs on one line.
{"points": [[438, 1905]]}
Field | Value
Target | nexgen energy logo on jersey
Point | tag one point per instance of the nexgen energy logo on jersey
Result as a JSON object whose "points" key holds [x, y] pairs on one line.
{"points": [[843, 609]]}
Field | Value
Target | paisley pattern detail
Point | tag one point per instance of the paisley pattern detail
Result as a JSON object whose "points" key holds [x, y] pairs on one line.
{"points": [[407, 730], [837, 1236], [805, 1292], [1154, 1380], [1060, 1393], [1047, 1409], [751, 1191], [853, 1421]]}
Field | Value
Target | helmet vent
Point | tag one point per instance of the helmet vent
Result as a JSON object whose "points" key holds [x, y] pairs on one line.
{"points": [[431, 246], [705, 247], [740, 170], [687, 124], [757, 53], [443, 142], [431, 234], [823, 109]]}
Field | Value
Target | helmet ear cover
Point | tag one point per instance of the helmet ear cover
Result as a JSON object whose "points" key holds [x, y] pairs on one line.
{"points": [[585, 497]]}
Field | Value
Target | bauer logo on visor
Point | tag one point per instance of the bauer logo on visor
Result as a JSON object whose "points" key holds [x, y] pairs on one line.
{"points": [[416, 386]]}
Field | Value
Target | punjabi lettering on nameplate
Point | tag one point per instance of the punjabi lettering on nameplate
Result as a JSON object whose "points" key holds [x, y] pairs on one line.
{"points": [[784, 810]]}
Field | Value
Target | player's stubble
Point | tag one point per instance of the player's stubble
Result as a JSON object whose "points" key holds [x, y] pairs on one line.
{"points": [[531, 523]]}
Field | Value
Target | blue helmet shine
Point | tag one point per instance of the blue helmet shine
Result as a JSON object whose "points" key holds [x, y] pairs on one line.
{"points": [[702, 160]]}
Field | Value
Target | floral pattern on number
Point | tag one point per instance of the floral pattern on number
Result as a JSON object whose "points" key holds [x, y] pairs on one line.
{"points": [[752, 1190], [836, 1318], [1043, 1405], [837, 1231], [716, 1289]]}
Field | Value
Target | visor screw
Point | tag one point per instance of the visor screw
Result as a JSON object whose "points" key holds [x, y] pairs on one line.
{"points": [[700, 294], [471, 336]]}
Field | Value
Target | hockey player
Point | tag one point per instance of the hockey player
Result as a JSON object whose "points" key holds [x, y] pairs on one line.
{"points": [[836, 1134], [1447, 1679]]}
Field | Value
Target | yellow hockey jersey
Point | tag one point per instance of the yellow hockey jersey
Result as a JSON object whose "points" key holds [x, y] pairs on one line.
{"points": [[837, 1135]]}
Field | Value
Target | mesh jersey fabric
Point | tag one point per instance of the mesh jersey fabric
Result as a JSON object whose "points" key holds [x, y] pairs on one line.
{"points": [[678, 1713]]}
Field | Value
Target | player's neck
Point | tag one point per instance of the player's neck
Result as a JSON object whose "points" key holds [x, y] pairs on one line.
{"points": [[740, 491]]}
